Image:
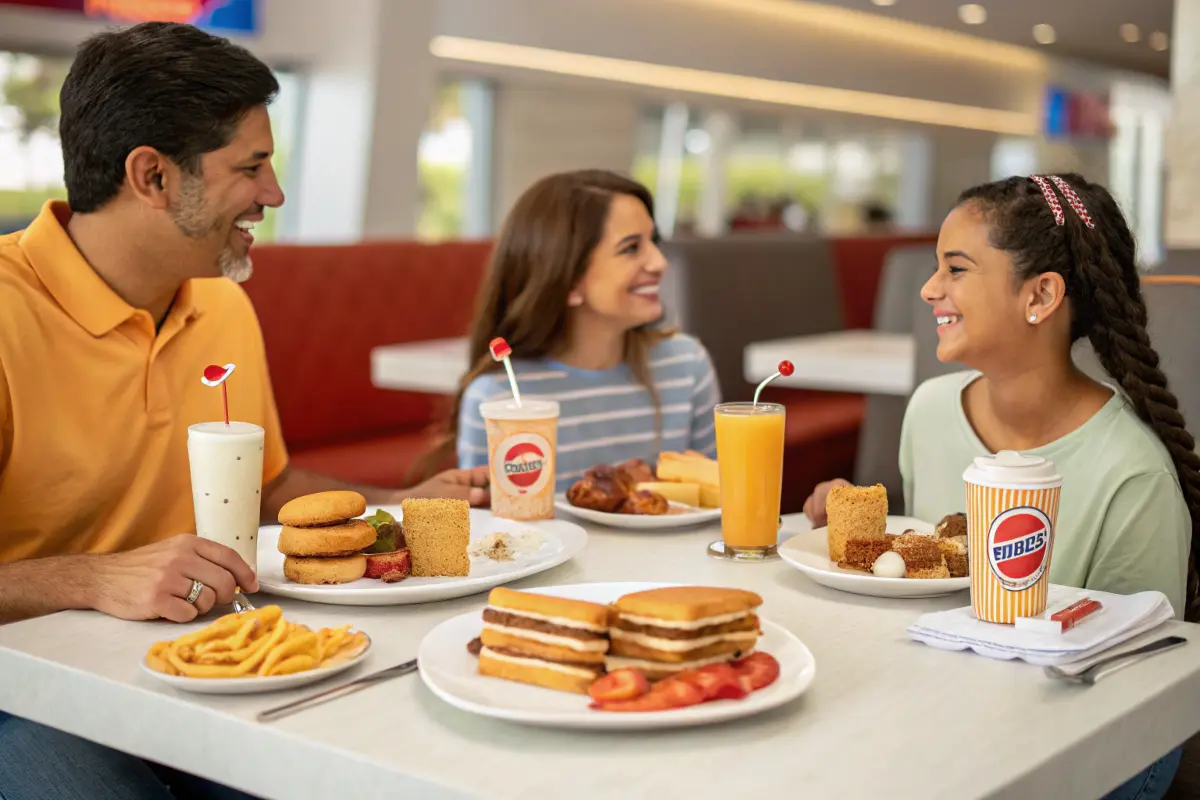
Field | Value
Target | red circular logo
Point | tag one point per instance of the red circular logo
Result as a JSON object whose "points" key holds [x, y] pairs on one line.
{"points": [[1019, 546], [523, 464]]}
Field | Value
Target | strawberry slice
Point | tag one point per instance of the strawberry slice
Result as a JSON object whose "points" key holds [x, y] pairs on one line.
{"points": [[756, 671], [618, 685]]}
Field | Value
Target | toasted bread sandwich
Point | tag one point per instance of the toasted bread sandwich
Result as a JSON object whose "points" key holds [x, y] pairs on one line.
{"points": [[665, 631], [542, 640]]}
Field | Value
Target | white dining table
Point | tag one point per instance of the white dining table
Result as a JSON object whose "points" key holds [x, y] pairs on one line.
{"points": [[433, 366], [884, 717], [866, 361]]}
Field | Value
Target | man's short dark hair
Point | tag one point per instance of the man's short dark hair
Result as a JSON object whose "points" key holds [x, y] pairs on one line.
{"points": [[164, 85]]}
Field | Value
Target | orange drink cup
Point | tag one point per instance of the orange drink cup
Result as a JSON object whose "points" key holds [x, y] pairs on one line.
{"points": [[750, 460], [1012, 511]]}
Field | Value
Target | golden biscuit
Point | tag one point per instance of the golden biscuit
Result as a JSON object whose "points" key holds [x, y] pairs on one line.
{"points": [[330, 540], [322, 508], [324, 570]]}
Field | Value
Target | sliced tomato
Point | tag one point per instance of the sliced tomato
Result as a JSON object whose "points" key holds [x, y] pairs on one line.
{"points": [[678, 693], [756, 671], [620, 684], [715, 682], [651, 701], [720, 682]]}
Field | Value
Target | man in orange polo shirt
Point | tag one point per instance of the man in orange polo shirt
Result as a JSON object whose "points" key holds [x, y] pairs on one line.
{"points": [[114, 304]]}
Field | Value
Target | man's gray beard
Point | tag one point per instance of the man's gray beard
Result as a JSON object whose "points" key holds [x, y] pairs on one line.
{"points": [[237, 268]]}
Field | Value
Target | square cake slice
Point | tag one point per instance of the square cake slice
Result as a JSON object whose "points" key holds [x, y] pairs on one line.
{"points": [[861, 554], [922, 556], [438, 533], [858, 511]]}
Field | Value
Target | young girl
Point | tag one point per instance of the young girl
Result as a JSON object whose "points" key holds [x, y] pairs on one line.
{"points": [[1026, 266], [573, 287]]}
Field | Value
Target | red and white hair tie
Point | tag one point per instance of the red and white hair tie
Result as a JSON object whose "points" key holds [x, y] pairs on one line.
{"points": [[1056, 207]]}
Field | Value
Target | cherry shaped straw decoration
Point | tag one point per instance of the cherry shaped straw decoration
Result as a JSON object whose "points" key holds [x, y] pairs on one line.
{"points": [[503, 353], [786, 368], [216, 375]]}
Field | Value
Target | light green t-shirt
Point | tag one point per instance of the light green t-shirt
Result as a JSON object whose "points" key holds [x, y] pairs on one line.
{"points": [[1123, 525]]}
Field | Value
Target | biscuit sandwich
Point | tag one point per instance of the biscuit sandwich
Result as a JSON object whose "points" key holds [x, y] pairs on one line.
{"points": [[665, 631], [321, 540], [542, 640]]}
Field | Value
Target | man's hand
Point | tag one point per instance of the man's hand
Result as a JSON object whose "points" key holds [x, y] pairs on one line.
{"points": [[152, 581], [458, 484], [814, 506]]}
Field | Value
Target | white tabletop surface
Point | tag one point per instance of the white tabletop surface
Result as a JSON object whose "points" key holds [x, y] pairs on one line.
{"points": [[871, 362], [885, 716], [433, 366]]}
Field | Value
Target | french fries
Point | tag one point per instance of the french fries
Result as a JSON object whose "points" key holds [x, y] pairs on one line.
{"points": [[257, 643]]}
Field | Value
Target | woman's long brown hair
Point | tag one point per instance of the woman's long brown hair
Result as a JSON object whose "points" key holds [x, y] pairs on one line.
{"points": [[542, 252]]}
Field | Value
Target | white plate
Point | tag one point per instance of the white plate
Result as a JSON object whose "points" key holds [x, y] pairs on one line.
{"points": [[809, 553], [682, 516], [255, 684], [450, 672], [563, 541]]}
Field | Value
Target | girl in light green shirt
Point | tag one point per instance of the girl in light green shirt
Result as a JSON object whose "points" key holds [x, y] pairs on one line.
{"points": [[1027, 266]]}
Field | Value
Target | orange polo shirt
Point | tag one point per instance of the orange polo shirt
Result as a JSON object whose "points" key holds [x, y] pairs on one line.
{"points": [[95, 404]]}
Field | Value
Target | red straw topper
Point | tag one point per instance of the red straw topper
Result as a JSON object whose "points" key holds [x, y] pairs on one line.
{"points": [[785, 369], [215, 375], [500, 349], [501, 352]]}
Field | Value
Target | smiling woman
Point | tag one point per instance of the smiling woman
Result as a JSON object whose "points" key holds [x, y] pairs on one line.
{"points": [[573, 287]]}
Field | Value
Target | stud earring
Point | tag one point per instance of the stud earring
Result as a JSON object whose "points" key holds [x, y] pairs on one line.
{"points": [[1033, 317]]}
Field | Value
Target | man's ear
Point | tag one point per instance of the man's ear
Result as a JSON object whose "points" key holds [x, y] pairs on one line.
{"points": [[149, 175]]}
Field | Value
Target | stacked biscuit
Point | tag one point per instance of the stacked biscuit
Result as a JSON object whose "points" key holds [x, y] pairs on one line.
{"points": [[322, 541]]}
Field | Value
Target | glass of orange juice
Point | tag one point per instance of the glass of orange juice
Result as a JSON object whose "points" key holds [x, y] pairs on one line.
{"points": [[750, 460]]}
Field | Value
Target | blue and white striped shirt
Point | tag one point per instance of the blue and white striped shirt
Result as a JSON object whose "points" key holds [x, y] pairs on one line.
{"points": [[606, 416]]}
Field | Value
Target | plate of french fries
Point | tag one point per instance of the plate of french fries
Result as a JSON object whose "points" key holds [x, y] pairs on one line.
{"points": [[256, 651]]}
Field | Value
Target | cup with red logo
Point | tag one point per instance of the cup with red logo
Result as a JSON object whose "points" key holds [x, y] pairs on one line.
{"points": [[1012, 510], [521, 439]]}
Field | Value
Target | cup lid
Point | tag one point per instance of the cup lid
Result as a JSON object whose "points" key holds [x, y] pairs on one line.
{"points": [[1011, 467]]}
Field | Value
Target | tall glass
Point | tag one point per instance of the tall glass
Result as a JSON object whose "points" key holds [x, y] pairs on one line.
{"points": [[226, 464], [750, 460]]}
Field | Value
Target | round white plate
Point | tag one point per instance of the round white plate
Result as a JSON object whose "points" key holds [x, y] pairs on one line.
{"points": [[255, 684], [450, 672], [680, 516], [809, 553], [563, 541]]}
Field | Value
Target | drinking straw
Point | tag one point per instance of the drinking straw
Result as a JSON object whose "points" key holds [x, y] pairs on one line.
{"points": [[215, 375], [502, 352], [785, 368]]}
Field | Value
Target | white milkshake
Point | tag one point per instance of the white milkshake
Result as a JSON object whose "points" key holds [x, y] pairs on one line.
{"points": [[227, 464]]}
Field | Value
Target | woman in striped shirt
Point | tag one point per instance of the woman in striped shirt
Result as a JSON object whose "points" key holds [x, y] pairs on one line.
{"points": [[573, 286]]}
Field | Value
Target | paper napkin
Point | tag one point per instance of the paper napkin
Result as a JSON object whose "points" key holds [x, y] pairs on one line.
{"points": [[1123, 617]]}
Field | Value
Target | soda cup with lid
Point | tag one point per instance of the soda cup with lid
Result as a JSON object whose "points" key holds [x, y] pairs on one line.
{"points": [[522, 436], [1012, 511]]}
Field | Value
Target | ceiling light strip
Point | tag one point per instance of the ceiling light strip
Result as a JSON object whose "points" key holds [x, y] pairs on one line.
{"points": [[874, 25], [740, 87]]}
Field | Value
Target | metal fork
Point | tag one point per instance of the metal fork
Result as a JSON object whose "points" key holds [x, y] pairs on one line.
{"points": [[241, 604], [1089, 675], [337, 691]]}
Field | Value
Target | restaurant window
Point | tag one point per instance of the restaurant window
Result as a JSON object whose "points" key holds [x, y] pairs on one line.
{"points": [[454, 162], [31, 166]]}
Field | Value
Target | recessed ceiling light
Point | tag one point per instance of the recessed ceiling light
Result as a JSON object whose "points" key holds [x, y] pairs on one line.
{"points": [[972, 13], [1044, 34], [1131, 33], [884, 2], [1159, 41]]}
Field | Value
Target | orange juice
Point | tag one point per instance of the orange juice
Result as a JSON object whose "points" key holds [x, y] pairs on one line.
{"points": [[750, 459]]}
